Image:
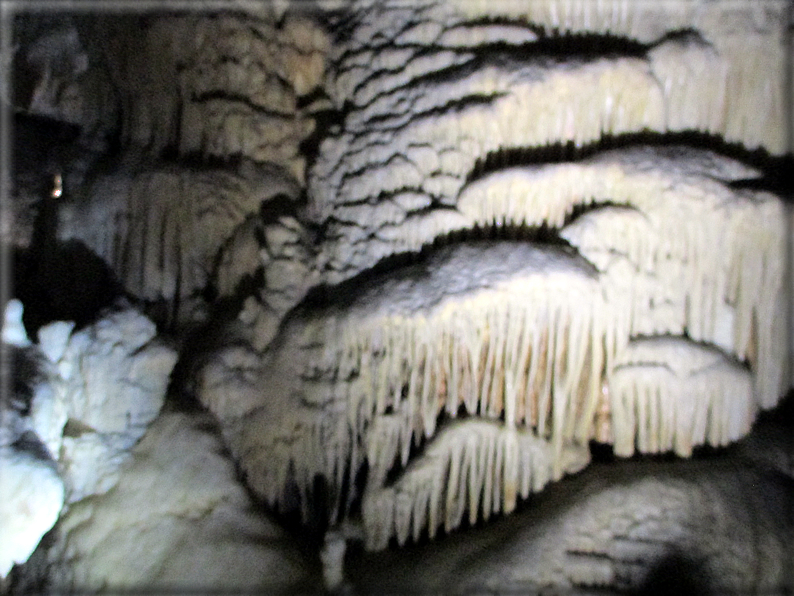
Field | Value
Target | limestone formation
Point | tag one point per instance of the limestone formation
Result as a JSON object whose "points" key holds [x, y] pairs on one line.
{"points": [[67, 428], [633, 527], [404, 153], [177, 520], [170, 233], [212, 84], [30, 502], [668, 262], [105, 385], [423, 260]]}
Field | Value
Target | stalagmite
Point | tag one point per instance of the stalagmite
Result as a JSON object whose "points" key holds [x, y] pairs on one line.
{"points": [[30, 502]]}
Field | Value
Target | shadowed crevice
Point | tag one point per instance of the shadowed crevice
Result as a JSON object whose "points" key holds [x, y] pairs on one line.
{"points": [[676, 573], [776, 170]]}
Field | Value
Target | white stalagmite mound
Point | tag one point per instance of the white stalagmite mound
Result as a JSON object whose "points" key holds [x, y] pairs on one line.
{"points": [[104, 385], [31, 497], [14, 333], [179, 521], [95, 393], [31, 491]]}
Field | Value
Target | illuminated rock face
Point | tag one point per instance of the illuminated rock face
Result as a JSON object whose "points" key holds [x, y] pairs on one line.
{"points": [[91, 395], [205, 536], [174, 230], [31, 501], [630, 296], [457, 243]]}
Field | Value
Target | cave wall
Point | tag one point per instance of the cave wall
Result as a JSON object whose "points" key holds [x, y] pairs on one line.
{"points": [[326, 216]]}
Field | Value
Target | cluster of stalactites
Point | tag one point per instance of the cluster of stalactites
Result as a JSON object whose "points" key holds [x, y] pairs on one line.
{"points": [[659, 394], [686, 256], [478, 466], [545, 350], [531, 354], [669, 394], [162, 230], [528, 351], [737, 69]]}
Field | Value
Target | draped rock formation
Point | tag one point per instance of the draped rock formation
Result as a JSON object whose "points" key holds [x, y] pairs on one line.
{"points": [[421, 261]]}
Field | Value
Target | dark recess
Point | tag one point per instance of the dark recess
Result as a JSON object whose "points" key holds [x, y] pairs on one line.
{"points": [[777, 171], [676, 573]]}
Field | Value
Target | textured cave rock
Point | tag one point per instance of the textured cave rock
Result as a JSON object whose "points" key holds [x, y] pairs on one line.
{"points": [[178, 519], [174, 230], [404, 150], [637, 527], [32, 499], [438, 140], [80, 400], [214, 83], [419, 259], [107, 384], [212, 90]]}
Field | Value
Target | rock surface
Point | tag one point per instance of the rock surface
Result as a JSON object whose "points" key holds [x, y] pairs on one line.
{"points": [[346, 193], [623, 527], [30, 502], [89, 398], [105, 384], [177, 520]]}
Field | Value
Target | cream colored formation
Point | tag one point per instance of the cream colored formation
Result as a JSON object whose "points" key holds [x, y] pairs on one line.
{"points": [[481, 372], [738, 67], [180, 515], [404, 151], [670, 394], [473, 466], [98, 390], [420, 345], [682, 251], [658, 330], [536, 339], [164, 230], [216, 85]]}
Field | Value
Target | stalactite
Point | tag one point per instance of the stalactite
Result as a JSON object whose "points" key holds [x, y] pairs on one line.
{"points": [[474, 465], [532, 337], [671, 394]]}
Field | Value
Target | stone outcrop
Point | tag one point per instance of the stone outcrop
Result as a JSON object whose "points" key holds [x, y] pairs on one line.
{"points": [[89, 396], [180, 513]]}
